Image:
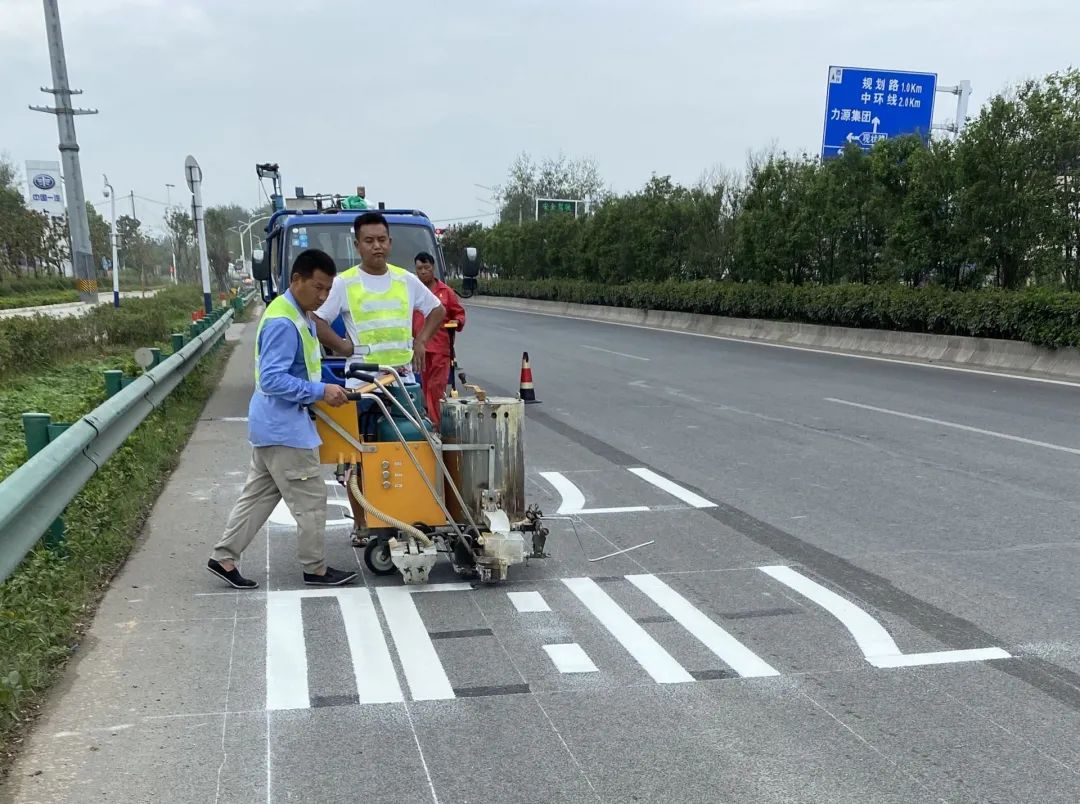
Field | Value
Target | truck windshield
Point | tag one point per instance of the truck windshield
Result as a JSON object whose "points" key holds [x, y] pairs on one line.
{"points": [[336, 239]]}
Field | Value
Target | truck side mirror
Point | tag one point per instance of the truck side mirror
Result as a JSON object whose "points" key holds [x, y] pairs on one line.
{"points": [[471, 267], [260, 265]]}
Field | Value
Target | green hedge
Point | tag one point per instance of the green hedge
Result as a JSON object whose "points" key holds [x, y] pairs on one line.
{"points": [[1037, 316], [38, 298], [22, 285]]}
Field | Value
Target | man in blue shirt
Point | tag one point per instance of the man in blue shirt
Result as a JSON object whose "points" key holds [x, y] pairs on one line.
{"points": [[285, 445]]}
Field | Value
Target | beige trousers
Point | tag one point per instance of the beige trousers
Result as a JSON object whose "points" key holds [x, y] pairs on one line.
{"points": [[277, 473]]}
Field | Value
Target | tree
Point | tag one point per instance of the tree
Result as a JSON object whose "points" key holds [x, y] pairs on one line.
{"points": [[181, 231], [220, 240], [1005, 196], [558, 177], [457, 238], [100, 236]]}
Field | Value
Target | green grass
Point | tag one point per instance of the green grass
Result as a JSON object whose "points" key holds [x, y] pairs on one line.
{"points": [[51, 598], [55, 366], [32, 344], [64, 392]]}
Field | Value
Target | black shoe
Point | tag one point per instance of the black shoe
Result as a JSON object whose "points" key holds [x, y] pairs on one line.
{"points": [[332, 577], [231, 577]]}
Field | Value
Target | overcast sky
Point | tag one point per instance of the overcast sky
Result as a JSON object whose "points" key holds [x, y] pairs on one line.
{"points": [[421, 99]]}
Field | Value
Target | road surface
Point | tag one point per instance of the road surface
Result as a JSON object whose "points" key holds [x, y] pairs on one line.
{"points": [[861, 588]]}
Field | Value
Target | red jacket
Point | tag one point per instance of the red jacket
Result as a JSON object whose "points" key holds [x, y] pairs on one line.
{"points": [[440, 341]]}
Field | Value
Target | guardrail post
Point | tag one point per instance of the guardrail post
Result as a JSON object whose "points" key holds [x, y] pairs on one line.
{"points": [[114, 381], [177, 342], [36, 432], [156, 352]]}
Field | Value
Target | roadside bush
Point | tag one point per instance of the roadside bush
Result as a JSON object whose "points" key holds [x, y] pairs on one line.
{"points": [[1039, 316]]}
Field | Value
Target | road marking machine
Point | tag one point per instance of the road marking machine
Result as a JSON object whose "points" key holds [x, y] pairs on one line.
{"points": [[460, 491]]}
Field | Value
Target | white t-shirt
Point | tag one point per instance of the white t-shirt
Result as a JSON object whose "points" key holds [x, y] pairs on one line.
{"points": [[337, 303]]}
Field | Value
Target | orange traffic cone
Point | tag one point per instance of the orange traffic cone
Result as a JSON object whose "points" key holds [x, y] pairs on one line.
{"points": [[527, 392]]}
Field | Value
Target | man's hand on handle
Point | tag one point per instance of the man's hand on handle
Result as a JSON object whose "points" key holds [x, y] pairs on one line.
{"points": [[334, 395]]}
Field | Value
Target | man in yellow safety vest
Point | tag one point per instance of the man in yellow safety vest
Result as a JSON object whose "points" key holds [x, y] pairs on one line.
{"points": [[285, 444], [377, 300]]}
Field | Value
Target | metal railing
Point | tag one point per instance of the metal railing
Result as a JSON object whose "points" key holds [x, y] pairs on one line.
{"points": [[33, 497]]}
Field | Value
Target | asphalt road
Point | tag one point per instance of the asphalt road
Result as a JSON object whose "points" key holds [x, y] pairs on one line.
{"points": [[861, 588]]}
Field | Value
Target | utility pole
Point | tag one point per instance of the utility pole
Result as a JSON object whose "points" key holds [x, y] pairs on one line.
{"points": [[82, 257]]}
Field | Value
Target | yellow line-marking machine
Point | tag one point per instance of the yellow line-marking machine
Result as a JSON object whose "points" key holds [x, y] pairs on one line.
{"points": [[460, 491]]}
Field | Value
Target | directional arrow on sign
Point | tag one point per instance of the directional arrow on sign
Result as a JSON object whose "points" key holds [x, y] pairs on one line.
{"points": [[852, 137], [877, 122]]}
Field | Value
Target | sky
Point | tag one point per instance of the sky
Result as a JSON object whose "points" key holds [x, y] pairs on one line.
{"points": [[422, 100]]}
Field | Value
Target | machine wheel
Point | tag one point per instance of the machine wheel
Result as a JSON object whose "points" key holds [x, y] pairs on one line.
{"points": [[377, 557]]}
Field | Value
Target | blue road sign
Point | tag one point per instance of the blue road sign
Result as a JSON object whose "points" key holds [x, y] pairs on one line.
{"points": [[865, 106]]}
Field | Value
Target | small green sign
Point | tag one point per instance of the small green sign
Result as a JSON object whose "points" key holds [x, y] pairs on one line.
{"points": [[555, 206]]}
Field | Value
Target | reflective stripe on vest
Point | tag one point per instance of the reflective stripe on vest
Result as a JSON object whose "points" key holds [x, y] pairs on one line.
{"points": [[383, 321], [281, 307]]}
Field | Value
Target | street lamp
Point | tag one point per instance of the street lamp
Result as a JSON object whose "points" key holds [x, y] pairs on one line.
{"points": [[111, 195], [243, 228]]}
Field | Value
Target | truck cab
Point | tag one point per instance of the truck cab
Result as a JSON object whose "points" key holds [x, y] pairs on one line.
{"points": [[289, 232]]}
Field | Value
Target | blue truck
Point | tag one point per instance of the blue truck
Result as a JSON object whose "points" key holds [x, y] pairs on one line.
{"points": [[291, 231]]}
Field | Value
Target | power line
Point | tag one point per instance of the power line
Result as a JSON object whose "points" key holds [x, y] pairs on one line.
{"points": [[466, 217]]}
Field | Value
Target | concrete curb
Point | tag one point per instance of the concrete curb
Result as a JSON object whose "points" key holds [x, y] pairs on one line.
{"points": [[1014, 357]]}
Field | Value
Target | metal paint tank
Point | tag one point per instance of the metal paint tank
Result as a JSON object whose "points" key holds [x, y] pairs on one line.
{"points": [[496, 420]]}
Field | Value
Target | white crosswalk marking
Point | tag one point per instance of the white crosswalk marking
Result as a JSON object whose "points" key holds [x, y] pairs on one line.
{"points": [[526, 602], [656, 661], [425, 678], [674, 489], [286, 656], [376, 679], [570, 658], [423, 671], [732, 652]]}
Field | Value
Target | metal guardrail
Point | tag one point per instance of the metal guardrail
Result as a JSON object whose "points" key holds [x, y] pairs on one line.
{"points": [[36, 494]]}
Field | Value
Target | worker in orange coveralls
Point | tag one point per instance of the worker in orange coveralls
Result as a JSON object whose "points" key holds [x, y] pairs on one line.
{"points": [[437, 365]]}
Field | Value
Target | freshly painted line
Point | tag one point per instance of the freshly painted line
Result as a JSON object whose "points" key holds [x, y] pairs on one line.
{"points": [[956, 426], [423, 671], [758, 342], [726, 647], [630, 509], [940, 657], [620, 354], [873, 640], [570, 658], [376, 679], [526, 602], [656, 661], [439, 587], [286, 655], [572, 498], [674, 489], [573, 501]]}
